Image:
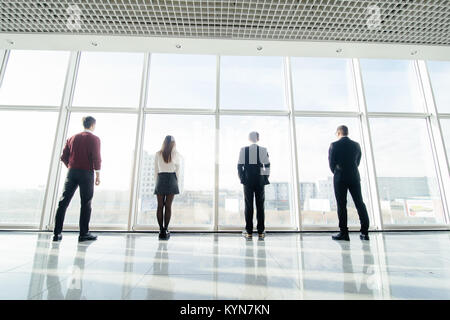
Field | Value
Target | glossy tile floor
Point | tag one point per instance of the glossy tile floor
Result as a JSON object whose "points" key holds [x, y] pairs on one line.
{"points": [[412, 265]]}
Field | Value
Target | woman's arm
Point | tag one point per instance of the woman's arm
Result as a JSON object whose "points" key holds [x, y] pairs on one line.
{"points": [[155, 166]]}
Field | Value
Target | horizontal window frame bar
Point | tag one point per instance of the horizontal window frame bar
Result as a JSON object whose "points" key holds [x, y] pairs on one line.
{"points": [[186, 111], [19, 227], [104, 110], [244, 112], [141, 227], [333, 228], [328, 114], [398, 115], [29, 108], [242, 227], [159, 108], [416, 227], [93, 227], [324, 109], [179, 111]]}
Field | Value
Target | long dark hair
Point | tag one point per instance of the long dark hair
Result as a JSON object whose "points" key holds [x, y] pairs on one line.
{"points": [[167, 147]]}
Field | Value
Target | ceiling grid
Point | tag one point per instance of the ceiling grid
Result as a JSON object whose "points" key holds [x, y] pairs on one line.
{"points": [[401, 21]]}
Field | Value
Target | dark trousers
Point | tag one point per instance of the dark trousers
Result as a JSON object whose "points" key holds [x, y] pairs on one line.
{"points": [[257, 193], [75, 178], [340, 190]]}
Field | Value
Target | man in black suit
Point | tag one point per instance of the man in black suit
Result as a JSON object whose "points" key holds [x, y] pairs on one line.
{"points": [[253, 171], [344, 157]]}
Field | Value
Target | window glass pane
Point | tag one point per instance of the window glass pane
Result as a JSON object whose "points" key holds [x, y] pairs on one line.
{"points": [[24, 164], [34, 78], [391, 86], [251, 83], [274, 135], [109, 79], [110, 205], [182, 81], [316, 190], [407, 183], [323, 84], [440, 81], [194, 136], [445, 125]]}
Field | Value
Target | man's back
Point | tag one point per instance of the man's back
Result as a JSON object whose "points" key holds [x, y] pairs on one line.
{"points": [[82, 151], [344, 157], [254, 165]]}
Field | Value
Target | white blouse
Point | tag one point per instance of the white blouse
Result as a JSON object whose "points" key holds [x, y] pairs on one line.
{"points": [[172, 166]]}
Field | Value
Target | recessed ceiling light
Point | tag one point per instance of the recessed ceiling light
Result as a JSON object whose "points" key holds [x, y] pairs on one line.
{"points": [[259, 48], [178, 46]]}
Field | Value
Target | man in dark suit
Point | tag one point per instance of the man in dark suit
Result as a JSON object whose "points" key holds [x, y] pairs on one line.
{"points": [[344, 157], [82, 156], [253, 171]]}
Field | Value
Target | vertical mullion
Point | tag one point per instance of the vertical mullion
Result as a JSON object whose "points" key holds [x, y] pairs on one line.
{"points": [[435, 135], [371, 173], [140, 131], [216, 151], [367, 146], [61, 131], [293, 141], [4, 62]]}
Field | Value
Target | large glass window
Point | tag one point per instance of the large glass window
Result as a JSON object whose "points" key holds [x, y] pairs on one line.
{"points": [[406, 176], [111, 202], [194, 136], [316, 190], [109, 79], [24, 164], [445, 125], [440, 80], [323, 84], [34, 78], [182, 81], [391, 86], [252, 83], [274, 135]]}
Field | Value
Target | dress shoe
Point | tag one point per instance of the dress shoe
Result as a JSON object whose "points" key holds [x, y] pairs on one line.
{"points": [[261, 235], [364, 236], [341, 236], [164, 234], [87, 237], [247, 235], [57, 237]]}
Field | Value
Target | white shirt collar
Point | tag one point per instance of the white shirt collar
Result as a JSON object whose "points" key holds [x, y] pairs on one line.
{"points": [[87, 130]]}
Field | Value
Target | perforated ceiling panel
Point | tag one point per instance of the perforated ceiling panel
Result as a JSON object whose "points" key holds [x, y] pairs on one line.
{"points": [[386, 21]]}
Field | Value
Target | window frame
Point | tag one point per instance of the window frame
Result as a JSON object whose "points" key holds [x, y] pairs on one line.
{"points": [[430, 115]]}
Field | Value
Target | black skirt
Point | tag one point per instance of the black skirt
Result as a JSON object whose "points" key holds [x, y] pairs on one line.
{"points": [[166, 183]]}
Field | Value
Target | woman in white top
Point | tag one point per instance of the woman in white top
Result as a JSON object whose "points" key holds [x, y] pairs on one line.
{"points": [[167, 167]]}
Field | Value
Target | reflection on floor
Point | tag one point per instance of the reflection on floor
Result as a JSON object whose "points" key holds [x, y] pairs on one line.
{"points": [[412, 265]]}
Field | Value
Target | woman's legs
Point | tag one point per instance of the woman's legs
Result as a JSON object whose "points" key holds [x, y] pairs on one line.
{"points": [[168, 209], [159, 210]]}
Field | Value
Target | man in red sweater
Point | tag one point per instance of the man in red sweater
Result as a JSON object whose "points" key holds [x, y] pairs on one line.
{"points": [[82, 156]]}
